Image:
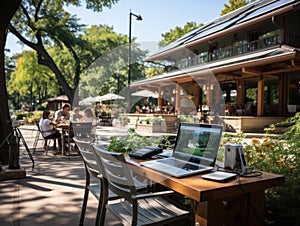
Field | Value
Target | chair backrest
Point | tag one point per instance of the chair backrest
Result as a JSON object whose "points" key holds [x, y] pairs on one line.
{"points": [[39, 130], [115, 169], [88, 156], [81, 129]]}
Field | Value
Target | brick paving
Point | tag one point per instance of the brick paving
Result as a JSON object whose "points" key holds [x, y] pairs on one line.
{"points": [[51, 193]]}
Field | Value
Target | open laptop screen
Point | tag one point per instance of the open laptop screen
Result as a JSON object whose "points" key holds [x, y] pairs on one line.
{"points": [[198, 143]]}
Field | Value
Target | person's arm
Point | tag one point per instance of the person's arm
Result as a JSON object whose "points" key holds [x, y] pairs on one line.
{"points": [[54, 123]]}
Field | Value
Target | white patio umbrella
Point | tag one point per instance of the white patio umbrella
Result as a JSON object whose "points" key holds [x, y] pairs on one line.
{"points": [[145, 93], [111, 96], [96, 98], [87, 101]]}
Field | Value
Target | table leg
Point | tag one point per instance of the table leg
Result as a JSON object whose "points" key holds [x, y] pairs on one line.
{"points": [[62, 142], [232, 211]]}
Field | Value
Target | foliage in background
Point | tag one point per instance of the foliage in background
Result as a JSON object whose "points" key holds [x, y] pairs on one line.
{"points": [[30, 82], [132, 141], [278, 154], [233, 5], [187, 118], [20, 115], [43, 24], [177, 32]]}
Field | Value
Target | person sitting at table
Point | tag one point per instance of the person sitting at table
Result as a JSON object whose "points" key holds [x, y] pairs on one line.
{"points": [[48, 130], [89, 116], [76, 117], [170, 108], [63, 114]]}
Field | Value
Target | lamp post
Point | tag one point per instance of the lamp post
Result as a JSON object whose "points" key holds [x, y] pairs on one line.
{"points": [[138, 17]]}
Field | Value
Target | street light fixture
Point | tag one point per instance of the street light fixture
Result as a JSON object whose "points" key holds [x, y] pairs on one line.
{"points": [[138, 17]]}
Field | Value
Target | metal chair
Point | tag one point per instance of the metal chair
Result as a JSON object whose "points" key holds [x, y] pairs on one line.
{"points": [[81, 130], [37, 138], [92, 169], [135, 208]]}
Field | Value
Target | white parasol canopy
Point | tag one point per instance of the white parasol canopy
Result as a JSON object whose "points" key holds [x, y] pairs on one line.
{"points": [[87, 101], [96, 98], [110, 96], [145, 93]]}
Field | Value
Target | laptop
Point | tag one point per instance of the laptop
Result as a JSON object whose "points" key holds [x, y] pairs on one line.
{"points": [[195, 151]]}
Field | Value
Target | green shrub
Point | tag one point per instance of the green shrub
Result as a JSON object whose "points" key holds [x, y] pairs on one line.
{"points": [[20, 115], [131, 141], [123, 118], [34, 117], [187, 118], [278, 154], [156, 120]]}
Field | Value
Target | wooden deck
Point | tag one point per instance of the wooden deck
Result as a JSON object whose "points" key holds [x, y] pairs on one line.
{"points": [[249, 123]]}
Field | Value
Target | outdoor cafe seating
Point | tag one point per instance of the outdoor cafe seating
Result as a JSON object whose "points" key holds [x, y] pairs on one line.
{"points": [[92, 170], [99, 191], [69, 130], [135, 208], [37, 138]]}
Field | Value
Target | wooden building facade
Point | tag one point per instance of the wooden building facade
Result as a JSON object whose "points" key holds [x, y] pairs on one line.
{"points": [[244, 64]]}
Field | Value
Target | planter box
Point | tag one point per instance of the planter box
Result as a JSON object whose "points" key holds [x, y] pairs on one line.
{"points": [[152, 128], [121, 123]]}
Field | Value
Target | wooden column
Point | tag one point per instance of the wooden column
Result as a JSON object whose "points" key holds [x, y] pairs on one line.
{"points": [[260, 96], [177, 99], [208, 95], [240, 87], [159, 100], [281, 95]]}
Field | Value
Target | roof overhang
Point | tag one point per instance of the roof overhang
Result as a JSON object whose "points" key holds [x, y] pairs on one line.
{"points": [[246, 64], [174, 48]]}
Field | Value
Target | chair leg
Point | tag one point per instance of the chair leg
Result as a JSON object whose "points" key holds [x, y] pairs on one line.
{"points": [[85, 198], [99, 211], [103, 200], [37, 137], [45, 143], [46, 149], [84, 204]]}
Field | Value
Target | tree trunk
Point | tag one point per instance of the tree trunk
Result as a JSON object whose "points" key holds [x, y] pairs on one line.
{"points": [[7, 10]]}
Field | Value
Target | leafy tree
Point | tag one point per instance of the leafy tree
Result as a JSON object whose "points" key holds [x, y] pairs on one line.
{"points": [[110, 70], [31, 81], [233, 5], [7, 10], [177, 32], [40, 24]]}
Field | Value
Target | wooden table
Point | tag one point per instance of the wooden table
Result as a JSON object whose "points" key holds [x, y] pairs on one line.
{"points": [[65, 127], [219, 203]]}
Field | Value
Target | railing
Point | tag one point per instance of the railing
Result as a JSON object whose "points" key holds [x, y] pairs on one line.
{"points": [[244, 47], [231, 51]]}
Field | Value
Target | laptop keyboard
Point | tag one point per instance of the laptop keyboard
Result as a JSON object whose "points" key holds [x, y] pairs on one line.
{"points": [[180, 164]]}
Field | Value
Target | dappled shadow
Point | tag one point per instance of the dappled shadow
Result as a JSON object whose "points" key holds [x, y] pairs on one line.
{"points": [[51, 193], [28, 183]]}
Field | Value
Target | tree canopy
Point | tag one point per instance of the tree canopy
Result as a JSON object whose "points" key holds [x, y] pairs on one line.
{"points": [[177, 32], [41, 24], [31, 81], [233, 5]]}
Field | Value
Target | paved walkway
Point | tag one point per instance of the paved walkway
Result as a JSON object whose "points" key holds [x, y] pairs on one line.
{"points": [[51, 193]]}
